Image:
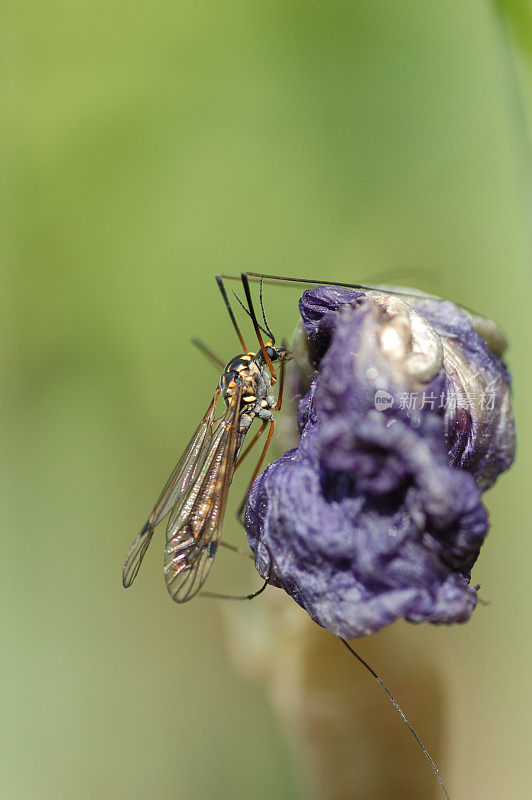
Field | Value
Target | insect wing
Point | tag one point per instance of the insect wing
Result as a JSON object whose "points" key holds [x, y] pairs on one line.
{"points": [[195, 526], [184, 474], [135, 555]]}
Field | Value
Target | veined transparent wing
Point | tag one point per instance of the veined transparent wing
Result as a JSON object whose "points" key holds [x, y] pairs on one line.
{"points": [[195, 525], [183, 476]]}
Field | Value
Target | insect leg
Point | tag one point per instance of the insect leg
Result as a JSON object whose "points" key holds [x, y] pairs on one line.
{"points": [[234, 549], [242, 506], [230, 311], [206, 350], [256, 470], [401, 713], [383, 277], [218, 596], [256, 325], [252, 442], [266, 278], [256, 276], [281, 384], [245, 277], [402, 273]]}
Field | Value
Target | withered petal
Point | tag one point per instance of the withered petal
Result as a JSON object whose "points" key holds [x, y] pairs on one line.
{"points": [[377, 514]]}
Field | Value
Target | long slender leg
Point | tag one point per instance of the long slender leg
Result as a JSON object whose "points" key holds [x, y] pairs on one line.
{"points": [[266, 278], [230, 311], [256, 325], [266, 581], [252, 442], [257, 468], [401, 713], [258, 276], [281, 383], [407, 273], [218, 596], [234, 549], [206, 350]]}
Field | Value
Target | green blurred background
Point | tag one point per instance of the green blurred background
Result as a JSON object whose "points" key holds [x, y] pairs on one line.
{"points": [[146, 146]]}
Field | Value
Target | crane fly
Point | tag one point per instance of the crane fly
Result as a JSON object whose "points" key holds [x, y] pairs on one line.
{"points": [[195, 495]]}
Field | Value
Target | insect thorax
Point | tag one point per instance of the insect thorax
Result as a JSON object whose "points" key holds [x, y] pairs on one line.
{"points": [[247, 371]]}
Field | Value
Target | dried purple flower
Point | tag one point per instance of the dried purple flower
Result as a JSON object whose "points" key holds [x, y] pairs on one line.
{"points": [[377, 514]]}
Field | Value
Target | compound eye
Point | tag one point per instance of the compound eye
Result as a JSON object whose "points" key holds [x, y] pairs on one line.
{"points": [[272, 352]]}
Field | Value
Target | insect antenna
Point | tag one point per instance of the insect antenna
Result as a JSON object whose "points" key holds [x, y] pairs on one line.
{"points": [[246, 310], [401, 712], [268, 329]]}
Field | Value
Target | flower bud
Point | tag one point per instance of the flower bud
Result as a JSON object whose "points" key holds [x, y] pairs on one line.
{"points": [[404, 421]]}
